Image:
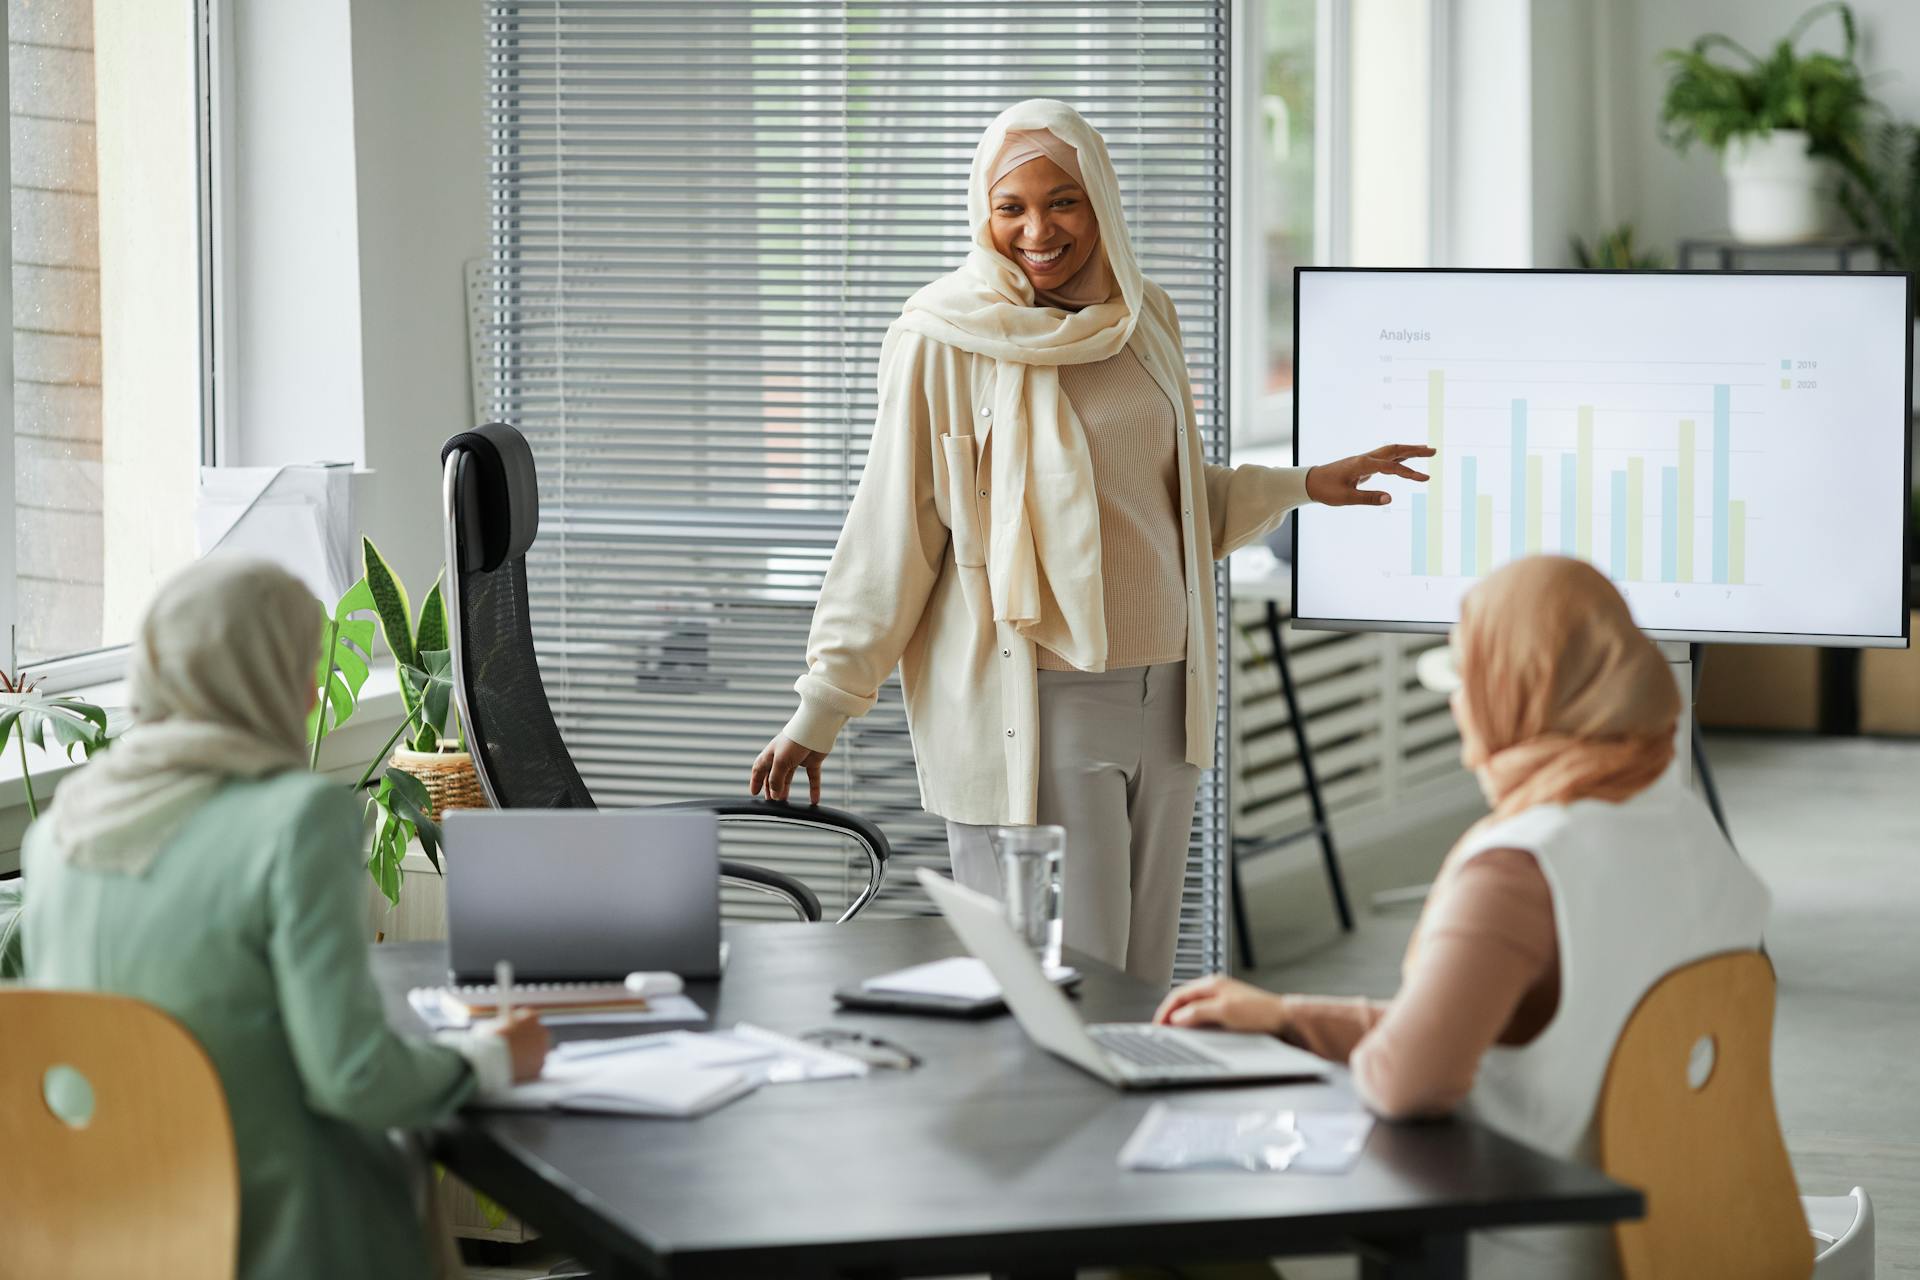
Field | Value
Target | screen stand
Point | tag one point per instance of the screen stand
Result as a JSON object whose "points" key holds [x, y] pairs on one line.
{"points": [[1702, 773]]}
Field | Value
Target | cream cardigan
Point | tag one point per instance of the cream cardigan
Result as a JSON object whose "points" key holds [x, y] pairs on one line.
{"points": [[908, 581]]}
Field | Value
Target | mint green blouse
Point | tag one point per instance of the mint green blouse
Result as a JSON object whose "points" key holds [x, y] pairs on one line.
{"points": [[249, 928]]}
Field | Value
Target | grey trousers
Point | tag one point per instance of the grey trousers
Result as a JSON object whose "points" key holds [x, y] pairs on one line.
{"points": [[1114, 773]]}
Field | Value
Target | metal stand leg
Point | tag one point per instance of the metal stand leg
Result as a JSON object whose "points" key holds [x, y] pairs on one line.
{"points": [[1242, 931], [1695, 653], [1335, 881]]}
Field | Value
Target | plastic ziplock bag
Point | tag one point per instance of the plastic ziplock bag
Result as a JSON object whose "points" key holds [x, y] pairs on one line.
{"points": [[1269, 1140]]}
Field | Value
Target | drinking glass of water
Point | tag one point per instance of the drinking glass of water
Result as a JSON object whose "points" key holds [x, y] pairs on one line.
{"points": [[1030, 862]]}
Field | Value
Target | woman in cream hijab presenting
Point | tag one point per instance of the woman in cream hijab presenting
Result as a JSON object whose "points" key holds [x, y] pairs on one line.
{"points": [[1032, 543]]}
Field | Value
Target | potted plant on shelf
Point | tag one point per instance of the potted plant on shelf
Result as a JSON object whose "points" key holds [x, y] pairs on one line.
{"points": [[1774, 120], [429, 771], [1615, 251]]}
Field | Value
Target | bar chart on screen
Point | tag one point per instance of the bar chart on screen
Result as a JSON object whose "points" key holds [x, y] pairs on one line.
{"points": [[1644, 490], [1730, 450]]}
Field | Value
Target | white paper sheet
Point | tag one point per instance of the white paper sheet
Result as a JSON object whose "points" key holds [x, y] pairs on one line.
{"points": [[643, 1084]]}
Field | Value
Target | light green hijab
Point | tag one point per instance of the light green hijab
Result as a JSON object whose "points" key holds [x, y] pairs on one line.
{"points": [[220, 675]]}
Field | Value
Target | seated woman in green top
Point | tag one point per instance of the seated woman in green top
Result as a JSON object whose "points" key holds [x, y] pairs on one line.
{"points": [[198, 866]]}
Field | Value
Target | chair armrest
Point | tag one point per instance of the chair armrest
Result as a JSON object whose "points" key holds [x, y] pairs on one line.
{"points": [[864, 833], [804, 901]]}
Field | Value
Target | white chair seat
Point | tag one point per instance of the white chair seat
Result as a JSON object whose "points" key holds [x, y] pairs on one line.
{"points": [[1842, 1229]]}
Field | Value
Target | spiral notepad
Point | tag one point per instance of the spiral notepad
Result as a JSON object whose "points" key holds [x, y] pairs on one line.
{"points": [[482, 999]]}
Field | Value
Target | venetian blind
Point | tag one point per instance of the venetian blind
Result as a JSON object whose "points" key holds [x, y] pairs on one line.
{"points": [[703, 218]]}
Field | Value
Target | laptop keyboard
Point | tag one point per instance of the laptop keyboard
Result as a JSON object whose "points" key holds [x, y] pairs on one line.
{"points": [[1144, 1047]]}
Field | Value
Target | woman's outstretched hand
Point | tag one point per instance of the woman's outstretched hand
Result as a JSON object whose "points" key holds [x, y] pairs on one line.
{"points": [[775, 766], [1337, 484], [1227, 1003]]}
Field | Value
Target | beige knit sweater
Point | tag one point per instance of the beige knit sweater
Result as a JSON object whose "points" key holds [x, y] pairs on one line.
{"points": [[1130, 431]]}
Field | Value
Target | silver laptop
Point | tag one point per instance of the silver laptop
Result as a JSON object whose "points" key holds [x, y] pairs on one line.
{"points": [[1128, 1055], [582, 895]]}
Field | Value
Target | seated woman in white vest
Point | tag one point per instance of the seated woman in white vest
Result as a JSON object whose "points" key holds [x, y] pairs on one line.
{"points": [[1596, 873]]}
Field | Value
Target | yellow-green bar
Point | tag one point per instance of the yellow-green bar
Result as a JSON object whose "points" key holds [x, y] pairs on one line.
{"points": [[1583, 492], [1636, 514], [1483, 535], [1685, 516], [1533, 504], [1736, 541], [1436, 487]]}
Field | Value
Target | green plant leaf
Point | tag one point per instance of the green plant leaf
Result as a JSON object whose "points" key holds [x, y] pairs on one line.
{"points": [[1713, 102], [432, 633], [437, 686], [344, 664], [389, 604], [389, 849], [73, 723], [405, 797]]}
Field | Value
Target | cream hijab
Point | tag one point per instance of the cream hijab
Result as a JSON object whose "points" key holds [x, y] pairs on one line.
{"points": [[1561, 697], [1044, 576], [222, 669]]}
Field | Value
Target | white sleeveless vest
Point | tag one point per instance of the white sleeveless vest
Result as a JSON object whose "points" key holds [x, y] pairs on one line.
{"points": [[1639, 888]]}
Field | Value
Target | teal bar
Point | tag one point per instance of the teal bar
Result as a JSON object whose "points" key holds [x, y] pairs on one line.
{"points": [[1722, 448], [1569, 468], [1517, 517], [1419, 533], [1618, 525], [1669, 524]]}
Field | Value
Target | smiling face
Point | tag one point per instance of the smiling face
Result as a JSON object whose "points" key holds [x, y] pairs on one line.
{"points": [[1039, 217]]}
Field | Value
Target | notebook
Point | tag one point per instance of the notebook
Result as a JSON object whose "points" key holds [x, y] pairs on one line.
{"points": [[960, 986], [482, 1000]]}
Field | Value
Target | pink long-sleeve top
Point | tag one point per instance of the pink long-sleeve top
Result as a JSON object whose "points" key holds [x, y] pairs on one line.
{"points": [[1483, 969]]}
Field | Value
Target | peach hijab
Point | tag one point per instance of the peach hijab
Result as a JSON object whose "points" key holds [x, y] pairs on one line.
{"points": [[1561, 697]]}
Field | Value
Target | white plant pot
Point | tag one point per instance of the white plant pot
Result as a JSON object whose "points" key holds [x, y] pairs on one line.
{"points": [[1773, 188]]}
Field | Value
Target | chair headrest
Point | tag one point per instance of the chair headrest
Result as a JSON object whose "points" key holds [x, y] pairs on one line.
{"points": [[507, 490]]}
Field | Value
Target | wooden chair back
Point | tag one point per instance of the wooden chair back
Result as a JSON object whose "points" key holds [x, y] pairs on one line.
{"points": [[139, 1178], [1699, 1134]]}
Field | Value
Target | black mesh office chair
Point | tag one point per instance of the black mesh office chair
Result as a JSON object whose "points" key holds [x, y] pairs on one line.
{"points": [[492, 513]]}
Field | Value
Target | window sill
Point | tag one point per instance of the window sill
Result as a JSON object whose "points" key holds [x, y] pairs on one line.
{"points": [[344, 754]]}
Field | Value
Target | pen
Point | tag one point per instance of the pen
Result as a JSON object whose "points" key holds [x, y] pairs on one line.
{"points": [[503, 989]]}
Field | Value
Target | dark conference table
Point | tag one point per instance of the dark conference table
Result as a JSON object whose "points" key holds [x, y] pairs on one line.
{"points": [[993, 1156]]}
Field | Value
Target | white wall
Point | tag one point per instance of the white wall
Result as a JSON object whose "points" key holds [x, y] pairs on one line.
{"points": [[1568, 66], [1489, 136], [358, 191], [419, 107], [293, 385], [1670, 196]]}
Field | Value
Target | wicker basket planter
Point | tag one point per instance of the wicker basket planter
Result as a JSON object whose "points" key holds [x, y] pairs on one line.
{"points": [[448, 776]]}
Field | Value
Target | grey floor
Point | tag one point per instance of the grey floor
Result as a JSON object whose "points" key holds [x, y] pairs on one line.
{"points": [[1833, 825]]}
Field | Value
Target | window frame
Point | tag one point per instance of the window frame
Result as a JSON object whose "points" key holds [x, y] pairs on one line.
{"points": [[212, 73], [1332, 182]]}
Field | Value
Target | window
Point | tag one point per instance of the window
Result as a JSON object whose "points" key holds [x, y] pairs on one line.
{"points": [[103, 427], [1335, 146], [704, 217]]}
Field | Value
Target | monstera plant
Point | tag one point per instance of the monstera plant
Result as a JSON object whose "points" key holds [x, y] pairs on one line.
{"points": [[29, 716]]}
